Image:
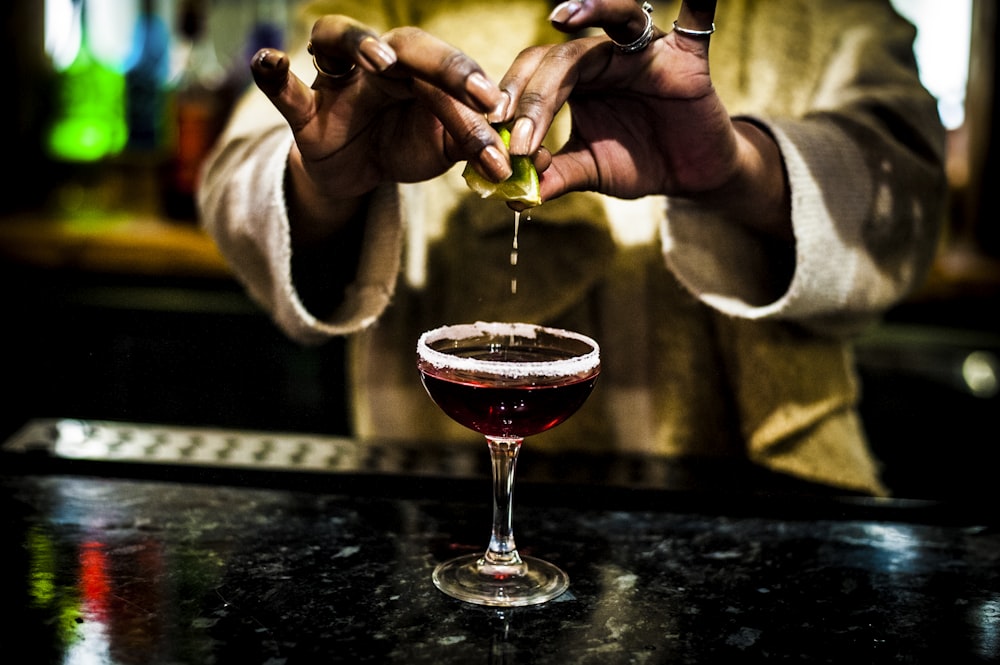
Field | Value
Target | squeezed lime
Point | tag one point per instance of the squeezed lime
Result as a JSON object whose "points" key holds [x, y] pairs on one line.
{"points": [[522, 185]]}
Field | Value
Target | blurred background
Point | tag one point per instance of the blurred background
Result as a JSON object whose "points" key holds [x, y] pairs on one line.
{"points": [[117, 306]]}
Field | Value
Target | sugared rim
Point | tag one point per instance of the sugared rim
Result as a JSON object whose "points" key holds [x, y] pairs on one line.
{"points": [[582, 364]]}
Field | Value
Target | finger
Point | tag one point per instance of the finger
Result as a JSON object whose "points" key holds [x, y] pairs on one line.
{"points": [[542, 159], [540, 82], [697, 14], [339, 43], [516, 79], [289, 94], [468, 135], [695, 22], [571, 169], [425, 57], [624, 21]]}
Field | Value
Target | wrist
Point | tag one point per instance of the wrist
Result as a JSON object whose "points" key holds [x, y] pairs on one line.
{"points": [[757, 194], [764, 181], [315, 215]]}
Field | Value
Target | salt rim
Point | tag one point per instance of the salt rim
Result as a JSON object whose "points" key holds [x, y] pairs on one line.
{"points": [[568, 367]]}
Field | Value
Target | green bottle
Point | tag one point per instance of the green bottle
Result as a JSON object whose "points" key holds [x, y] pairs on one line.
{"points": [[89, 121]]}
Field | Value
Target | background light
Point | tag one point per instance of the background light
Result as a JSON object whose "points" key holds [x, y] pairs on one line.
{"points": [[944, 29]]}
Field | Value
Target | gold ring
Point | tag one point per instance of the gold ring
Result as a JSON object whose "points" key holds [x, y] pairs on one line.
{"points": [[325, 74]]}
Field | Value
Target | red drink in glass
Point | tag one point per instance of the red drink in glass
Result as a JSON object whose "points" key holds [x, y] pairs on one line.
{"points": [[508, 408], [506, 381]]}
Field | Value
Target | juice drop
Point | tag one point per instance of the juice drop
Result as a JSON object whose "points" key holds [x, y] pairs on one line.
{"points": [[513, 251]]}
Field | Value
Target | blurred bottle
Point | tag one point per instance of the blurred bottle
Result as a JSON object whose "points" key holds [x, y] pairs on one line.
{"points": [[268, 25], [87, 129], [88, 122], [146, 77], [203, 98]]}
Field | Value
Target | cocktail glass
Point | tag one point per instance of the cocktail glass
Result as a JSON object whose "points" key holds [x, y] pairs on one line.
{"points": [[506, 381]]}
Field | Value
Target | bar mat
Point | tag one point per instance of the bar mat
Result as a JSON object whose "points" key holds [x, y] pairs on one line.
{"points": [[100, 444], [144, 443], [327, 463]]}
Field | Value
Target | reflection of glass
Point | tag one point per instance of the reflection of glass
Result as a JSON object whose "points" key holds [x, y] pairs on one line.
{"points": [[506, 381], [502, 649]]}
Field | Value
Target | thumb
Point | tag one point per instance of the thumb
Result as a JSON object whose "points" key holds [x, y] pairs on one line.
{"points": [[289, 94], [571, 169]]}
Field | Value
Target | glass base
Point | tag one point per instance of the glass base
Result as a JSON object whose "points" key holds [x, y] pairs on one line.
{"points": [[532, 582]]}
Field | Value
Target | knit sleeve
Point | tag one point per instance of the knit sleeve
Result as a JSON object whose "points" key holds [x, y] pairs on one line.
{"points": [[865, 167], [242, 205]]}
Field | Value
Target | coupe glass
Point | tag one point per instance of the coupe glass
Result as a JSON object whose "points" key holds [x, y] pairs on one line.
{"points": [[506, 381]]}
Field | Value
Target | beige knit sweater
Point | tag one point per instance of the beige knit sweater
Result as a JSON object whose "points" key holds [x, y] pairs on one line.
{"points": [[697, 359]]}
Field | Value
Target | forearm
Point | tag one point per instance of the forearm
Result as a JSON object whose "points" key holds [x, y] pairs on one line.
{"points": [[303, 288], [757, 195], [326, 236], [315, 216], [841, 274]]}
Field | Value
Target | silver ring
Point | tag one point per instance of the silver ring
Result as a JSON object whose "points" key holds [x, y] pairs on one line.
{"points": [[694, 34], [643, 40]]}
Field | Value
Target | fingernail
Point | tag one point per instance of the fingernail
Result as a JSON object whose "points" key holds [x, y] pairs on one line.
{"points": [[495, 162], [499, 112], [266, 71], [264, 59], [477, 85], [378, 55], [520, 136], [564, 11]]}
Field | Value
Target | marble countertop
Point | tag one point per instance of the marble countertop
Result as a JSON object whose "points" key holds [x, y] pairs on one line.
{"points": [[275, 567]]}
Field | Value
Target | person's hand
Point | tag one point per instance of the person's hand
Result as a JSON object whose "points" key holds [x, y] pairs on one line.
{"points": [[398, 107], [643, 122]]}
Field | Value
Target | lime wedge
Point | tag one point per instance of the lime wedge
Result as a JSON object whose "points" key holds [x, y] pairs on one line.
{"points": [[521, 186]]}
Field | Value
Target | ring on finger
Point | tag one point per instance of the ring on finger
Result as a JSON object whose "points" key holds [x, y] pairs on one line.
{"points": [[645, 38], [329, 75], [694, 34]]}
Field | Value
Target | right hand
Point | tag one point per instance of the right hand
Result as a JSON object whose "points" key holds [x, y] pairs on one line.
{"points": [[413, 107]]}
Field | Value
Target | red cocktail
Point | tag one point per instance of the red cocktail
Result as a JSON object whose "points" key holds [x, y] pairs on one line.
{"points": [[506, 381]]}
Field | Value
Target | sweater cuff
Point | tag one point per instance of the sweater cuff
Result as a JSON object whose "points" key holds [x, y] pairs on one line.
{"points": [[249, 219], [726, 265], [367, 296]]}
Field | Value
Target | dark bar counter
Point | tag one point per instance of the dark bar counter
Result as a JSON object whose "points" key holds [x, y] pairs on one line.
{"points": [[159, 546]]}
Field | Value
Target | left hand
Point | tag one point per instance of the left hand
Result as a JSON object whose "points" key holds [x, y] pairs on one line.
{"points": [[647, 122]]}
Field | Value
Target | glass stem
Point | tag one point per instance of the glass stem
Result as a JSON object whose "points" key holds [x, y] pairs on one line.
{"points": [[502, 550]]}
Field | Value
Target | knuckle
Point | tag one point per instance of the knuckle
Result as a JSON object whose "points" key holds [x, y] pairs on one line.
{"points": [[533, 51], [473, 138], [403, 33], [532, 104], [566, 54], [457, 66]]}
